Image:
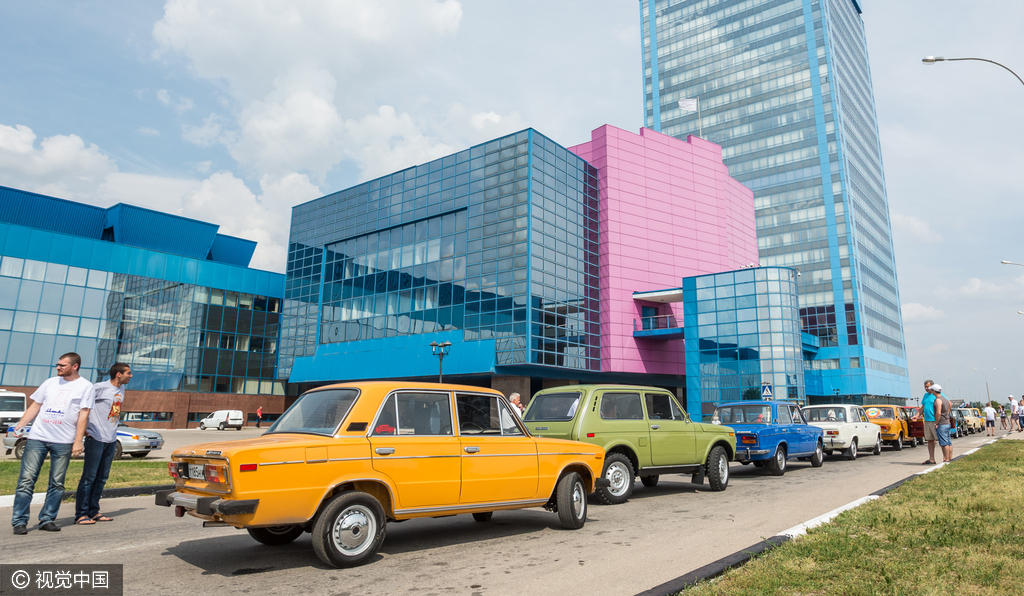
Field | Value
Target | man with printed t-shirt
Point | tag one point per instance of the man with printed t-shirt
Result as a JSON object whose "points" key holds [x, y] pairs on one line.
{"points": [[100, 444], [927, 411], [59, 413]]}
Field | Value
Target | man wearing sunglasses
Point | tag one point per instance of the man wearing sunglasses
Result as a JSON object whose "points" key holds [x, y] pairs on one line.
{"points": [[59, 413]]}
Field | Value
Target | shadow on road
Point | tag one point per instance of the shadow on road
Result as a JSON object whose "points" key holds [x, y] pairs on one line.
{"points": [[238, 554]]}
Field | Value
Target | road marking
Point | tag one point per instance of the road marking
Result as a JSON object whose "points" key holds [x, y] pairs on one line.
{"points": [[801, 529]]}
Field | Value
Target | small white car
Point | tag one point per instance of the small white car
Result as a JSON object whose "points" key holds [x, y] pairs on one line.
{"points": [[846, 428], [222, 419]]}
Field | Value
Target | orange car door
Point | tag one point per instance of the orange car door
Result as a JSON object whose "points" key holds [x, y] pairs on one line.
{"points": [[414, 444], [499, 462]]}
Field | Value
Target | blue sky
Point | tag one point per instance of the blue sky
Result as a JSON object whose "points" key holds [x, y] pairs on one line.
{"points": [[232, 111]]}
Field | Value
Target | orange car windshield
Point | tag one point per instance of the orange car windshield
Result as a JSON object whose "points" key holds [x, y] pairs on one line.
{"points": [[880, 413]]}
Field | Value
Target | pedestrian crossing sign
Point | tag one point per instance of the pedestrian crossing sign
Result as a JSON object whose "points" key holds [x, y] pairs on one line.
{"points": [[766, 391]]}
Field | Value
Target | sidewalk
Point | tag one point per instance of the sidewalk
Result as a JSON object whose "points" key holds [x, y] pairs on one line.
{"points": [[109, 493]]}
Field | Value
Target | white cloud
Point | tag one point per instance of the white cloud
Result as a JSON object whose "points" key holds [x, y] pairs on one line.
{"points": [[209, 133], [919, 313], [63, 166], [60, 165], [149, 131], [204, 166], [182, 105], [311, 83], [976, 287], [914, 227]]}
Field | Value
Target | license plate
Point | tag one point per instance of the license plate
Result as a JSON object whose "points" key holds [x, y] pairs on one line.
{"points": [[197, 471], [155, 445]]}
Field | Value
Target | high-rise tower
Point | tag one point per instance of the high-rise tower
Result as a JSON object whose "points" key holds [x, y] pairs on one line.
{"points": [[784, 86]]}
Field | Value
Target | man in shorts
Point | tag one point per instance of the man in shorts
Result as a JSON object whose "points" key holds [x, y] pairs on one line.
{"points": [[990, 420], [927, 411], [942, 419], [1014, 406]]}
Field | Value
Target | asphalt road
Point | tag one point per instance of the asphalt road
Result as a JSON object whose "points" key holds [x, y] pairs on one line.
{"points": [[660, 534]]}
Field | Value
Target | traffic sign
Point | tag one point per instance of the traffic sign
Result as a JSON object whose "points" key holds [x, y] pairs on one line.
{"points": [[766, 391]]}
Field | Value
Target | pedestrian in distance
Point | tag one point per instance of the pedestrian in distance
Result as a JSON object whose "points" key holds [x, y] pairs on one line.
{"points": [[1020, 416], [990, 420], [943, 409], [100, 444], [59, 413], [1002, 417], [927, 411], [1014, 407], [259, 415]]}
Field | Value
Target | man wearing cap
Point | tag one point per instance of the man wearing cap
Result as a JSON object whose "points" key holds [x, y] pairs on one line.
{"points": [[943, 409], [1014, 406], [927, 411]]}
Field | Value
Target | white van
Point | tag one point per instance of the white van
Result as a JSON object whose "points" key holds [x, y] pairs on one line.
{"points": [[222, 419], [12, 408]]}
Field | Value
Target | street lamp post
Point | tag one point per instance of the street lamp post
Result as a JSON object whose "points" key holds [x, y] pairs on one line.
{"points": [[987, 392], [440, 350], [933, 59]]}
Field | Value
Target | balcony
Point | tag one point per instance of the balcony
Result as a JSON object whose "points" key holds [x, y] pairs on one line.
{"points": [[662, 327]]}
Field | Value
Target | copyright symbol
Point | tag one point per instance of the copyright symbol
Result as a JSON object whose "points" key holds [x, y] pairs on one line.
{"points": [[20, 579]]}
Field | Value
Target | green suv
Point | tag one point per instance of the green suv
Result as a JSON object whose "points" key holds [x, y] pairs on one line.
{"points": [[643, 431]]}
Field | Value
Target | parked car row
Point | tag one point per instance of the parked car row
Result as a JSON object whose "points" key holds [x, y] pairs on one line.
{"points": [[136, 442], [344, 460]]}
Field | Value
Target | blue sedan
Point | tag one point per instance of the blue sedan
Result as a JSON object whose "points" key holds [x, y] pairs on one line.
{"points": [[768, 433]]}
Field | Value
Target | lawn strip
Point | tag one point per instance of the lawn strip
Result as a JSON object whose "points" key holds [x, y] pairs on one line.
{"points": [[122, 474], [957, 530]]}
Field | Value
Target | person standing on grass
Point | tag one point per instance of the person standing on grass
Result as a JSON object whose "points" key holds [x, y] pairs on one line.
{"points": [[59, 412], [990, 421], [942, 419], [927, 411], [100, 444]]}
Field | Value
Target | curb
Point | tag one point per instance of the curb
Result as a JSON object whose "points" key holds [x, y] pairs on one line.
{"points": [[108, 493], [740, 557]]}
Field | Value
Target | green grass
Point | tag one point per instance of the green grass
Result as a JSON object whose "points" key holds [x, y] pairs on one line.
{"points": [[958, 530], [122, 474]]}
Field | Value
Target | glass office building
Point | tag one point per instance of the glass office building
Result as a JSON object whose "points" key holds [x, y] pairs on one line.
{"points": [[493, 248], [784, 86], [742, 336], [167, 295]]}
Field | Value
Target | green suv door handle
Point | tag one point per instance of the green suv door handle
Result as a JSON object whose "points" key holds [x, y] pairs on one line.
{"points": [[655, 426]]}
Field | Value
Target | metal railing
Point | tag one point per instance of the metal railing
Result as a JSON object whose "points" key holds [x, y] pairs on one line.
{"points": [[656, 322]]}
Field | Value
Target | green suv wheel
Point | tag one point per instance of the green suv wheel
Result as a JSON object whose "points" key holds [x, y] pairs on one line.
{"points": [[619, 472], [718, 469]]}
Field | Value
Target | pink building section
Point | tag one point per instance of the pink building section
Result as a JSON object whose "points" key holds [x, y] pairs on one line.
{"points": [[668, 209]]}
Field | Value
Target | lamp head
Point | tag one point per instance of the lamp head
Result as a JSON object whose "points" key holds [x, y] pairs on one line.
{"points": [[932, 59]]}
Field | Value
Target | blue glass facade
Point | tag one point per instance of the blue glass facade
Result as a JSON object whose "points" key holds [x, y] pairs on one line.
{"points": [[742, 331], [493, 248], [785, 87], [183, 323]]}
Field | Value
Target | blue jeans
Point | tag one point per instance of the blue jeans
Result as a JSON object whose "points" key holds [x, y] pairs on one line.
{"points": [[942, 431], [98, 457], [31, 463]]}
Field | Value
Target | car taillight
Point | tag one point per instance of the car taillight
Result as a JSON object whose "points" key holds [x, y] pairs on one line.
{"points": [[885, 427], [832, 432], [215, 473], [172, 467], [748, 439], [248, 467]]}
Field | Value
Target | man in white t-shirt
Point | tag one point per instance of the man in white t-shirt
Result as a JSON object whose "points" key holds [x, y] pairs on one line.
{"points": [[100, 444], [990, 420], [1014, 407], [59, 413]]}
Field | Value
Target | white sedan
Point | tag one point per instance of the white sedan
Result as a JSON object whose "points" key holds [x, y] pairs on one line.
{"points": [[845, 428]]}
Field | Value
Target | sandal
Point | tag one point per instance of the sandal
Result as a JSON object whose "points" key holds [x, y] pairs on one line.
{"points": [[928, 463], [101, 518], [84, 521]]}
